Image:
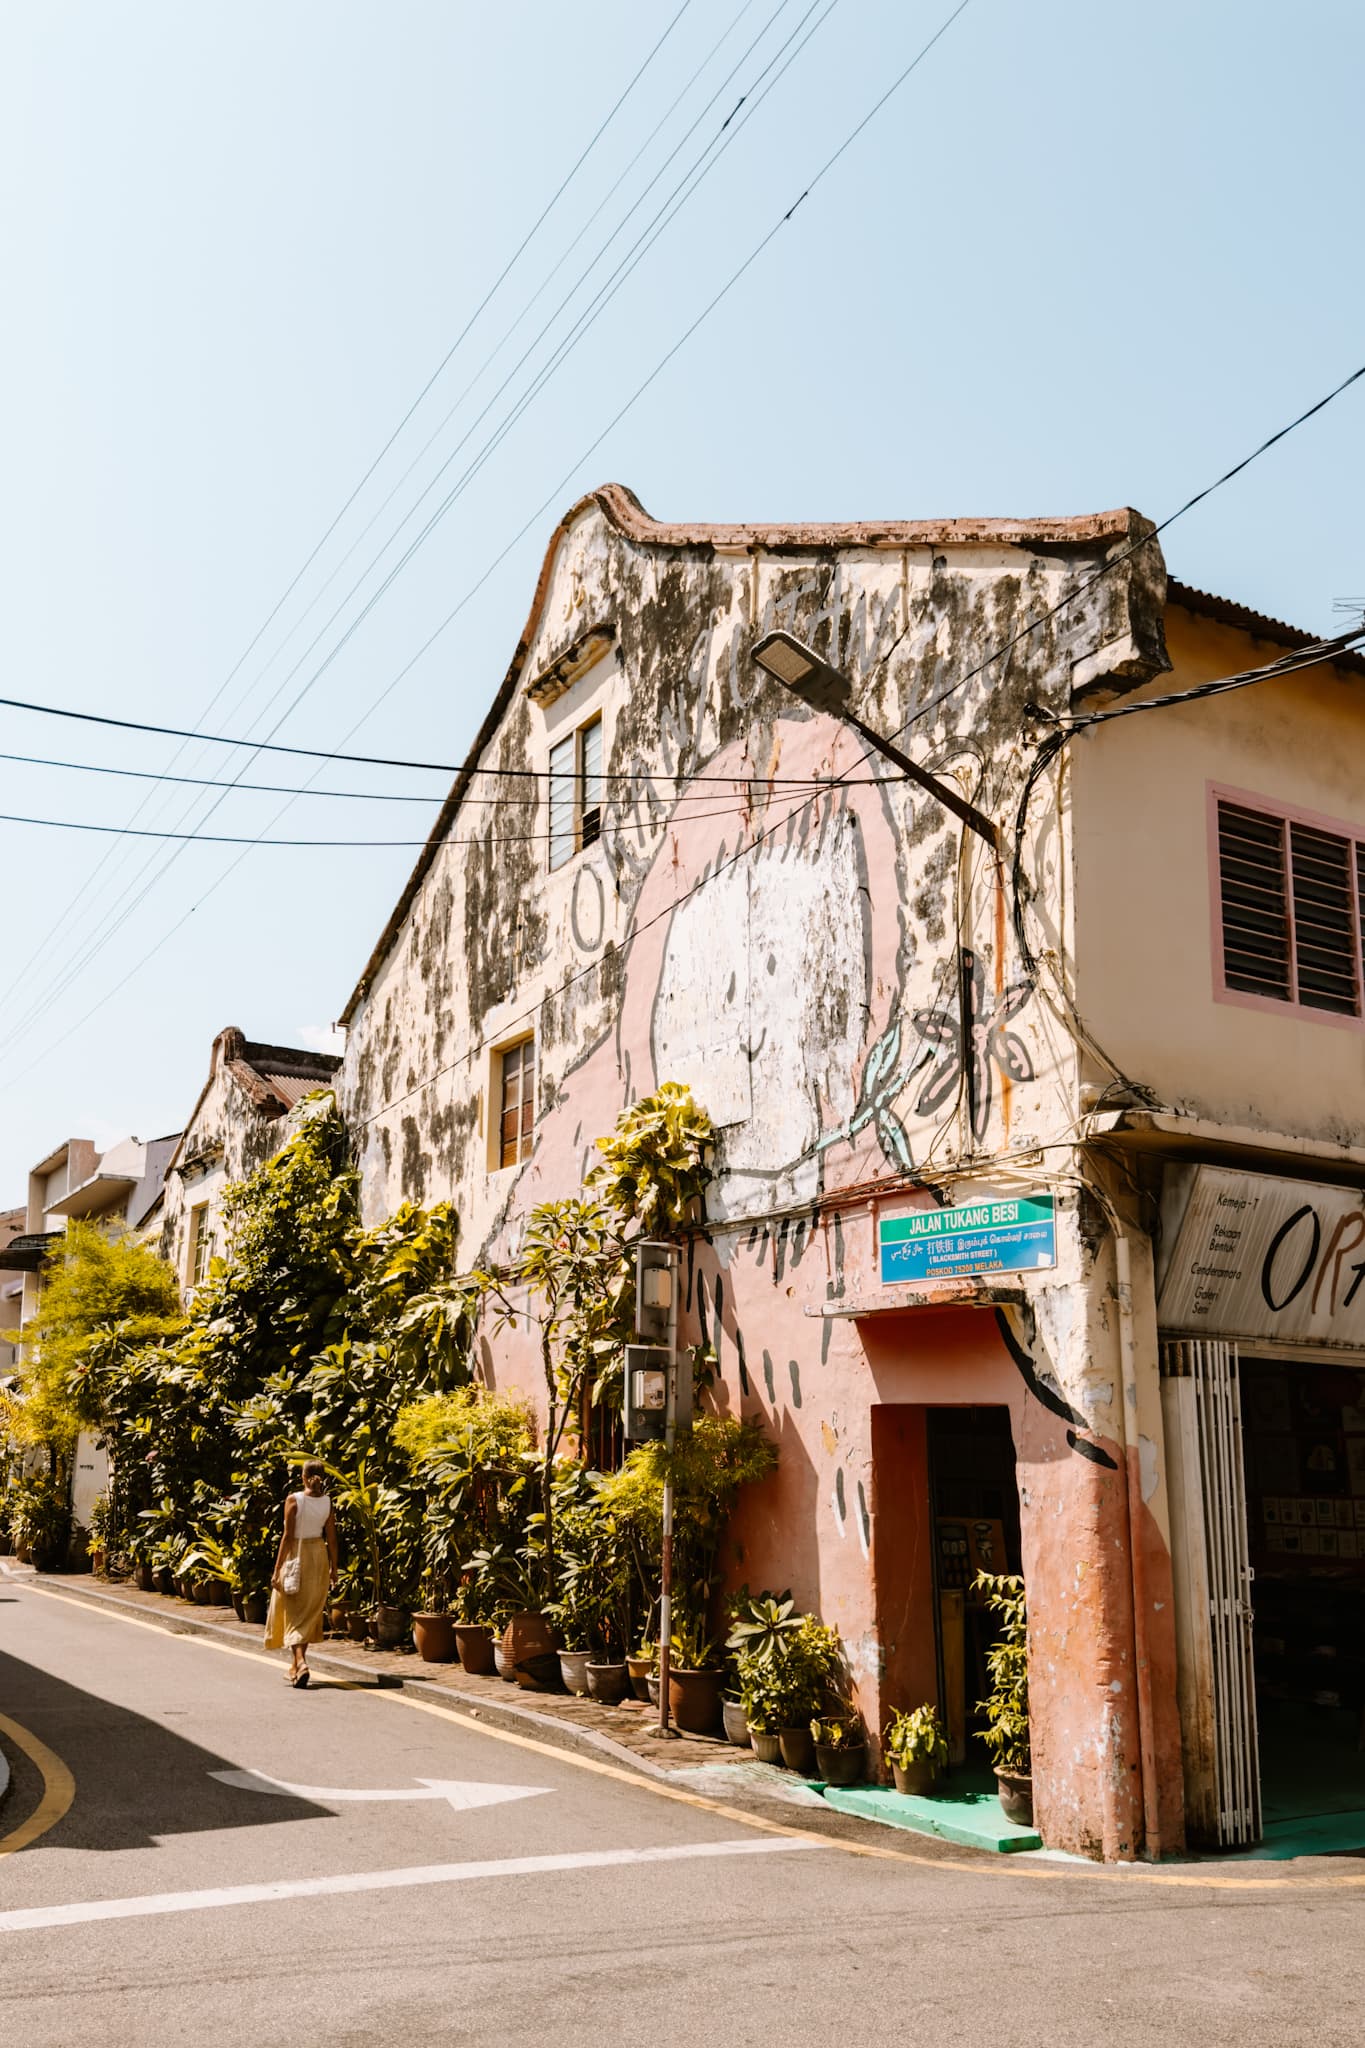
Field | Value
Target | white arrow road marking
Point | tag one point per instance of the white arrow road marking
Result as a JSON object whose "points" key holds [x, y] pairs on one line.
{"points": [[457, 1792], [28, 1918]]}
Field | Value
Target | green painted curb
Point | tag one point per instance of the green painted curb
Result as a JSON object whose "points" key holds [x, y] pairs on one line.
{"points": [[975, 1820]]}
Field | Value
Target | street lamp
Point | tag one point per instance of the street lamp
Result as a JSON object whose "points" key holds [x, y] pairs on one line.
{"points": [[827, 689]]}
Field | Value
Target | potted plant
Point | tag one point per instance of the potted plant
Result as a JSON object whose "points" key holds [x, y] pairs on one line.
{"points": [[377, 1510], [473, 1635], [734, 1721], [788, 1676], [917, 1747], [40, 1517], [214, 1572], [695, 1679], [638, 1666], [1006, 1734], [433, 1626], [101, 1520], [840, 1749]]}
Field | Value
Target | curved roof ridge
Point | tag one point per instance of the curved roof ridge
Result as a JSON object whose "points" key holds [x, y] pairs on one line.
{"points": [[628, 515]]}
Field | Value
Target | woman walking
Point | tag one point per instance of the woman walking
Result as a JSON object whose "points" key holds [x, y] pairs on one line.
{"points": [[305, 1568]]}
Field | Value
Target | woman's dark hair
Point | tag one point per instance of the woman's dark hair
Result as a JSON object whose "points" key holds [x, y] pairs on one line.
{"points": [[314, 1465]]}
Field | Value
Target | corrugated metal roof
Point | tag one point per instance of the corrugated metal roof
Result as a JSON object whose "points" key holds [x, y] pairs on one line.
{"points": [[292, 1088], [1225, 611]]}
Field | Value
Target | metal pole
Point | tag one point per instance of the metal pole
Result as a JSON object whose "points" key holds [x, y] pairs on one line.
{"points": [[666, 1571]]}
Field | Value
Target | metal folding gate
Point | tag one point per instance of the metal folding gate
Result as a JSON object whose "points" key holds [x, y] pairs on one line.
{"points": [[1201, 1408]]}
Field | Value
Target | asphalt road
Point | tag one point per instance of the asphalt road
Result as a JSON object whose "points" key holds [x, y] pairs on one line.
{"points": [[571, 1907]]}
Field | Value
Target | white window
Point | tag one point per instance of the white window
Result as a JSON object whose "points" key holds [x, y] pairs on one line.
{"points": [[575, 792], [201, 1244]]}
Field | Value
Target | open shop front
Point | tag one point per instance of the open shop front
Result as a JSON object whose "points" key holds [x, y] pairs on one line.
{"points": [[1264, 1415]]}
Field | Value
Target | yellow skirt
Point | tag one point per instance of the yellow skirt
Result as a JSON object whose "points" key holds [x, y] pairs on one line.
{"points": [[297, 1617]]}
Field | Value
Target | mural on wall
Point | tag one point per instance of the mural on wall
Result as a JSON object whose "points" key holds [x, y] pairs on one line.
{"points": [[972, 1041]]}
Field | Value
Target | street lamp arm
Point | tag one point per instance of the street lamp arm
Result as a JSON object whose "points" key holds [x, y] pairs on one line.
{"points": [[802, 671]]}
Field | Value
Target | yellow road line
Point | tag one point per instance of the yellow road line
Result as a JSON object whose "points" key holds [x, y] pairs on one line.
{"points": [[59, 1788], [988, 1866]]}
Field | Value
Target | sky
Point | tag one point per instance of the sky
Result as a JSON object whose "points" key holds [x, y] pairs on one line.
{"points": [[1084, 256]]}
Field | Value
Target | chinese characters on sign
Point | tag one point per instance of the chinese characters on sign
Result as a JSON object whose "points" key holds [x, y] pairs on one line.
{"points": [[968, 1238]]}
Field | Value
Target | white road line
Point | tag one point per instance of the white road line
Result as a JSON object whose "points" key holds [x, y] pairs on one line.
{"points": [[25, 1919], [461, 1793]]}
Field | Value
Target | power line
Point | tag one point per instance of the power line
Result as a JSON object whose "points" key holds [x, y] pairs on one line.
{"points": [[57, 924], [247, 839], [373, 761], [660, 222], [386, 796], [826, 167], [1125, 554]]}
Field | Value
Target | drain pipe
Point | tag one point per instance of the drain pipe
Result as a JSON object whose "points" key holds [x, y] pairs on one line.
{"points": [[1135, 1509]]}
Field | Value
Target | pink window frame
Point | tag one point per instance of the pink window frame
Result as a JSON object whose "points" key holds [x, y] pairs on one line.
{"points": [[1289, 814]]}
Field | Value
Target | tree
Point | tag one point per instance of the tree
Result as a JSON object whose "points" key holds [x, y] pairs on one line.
{"points": [[104, 1296]]}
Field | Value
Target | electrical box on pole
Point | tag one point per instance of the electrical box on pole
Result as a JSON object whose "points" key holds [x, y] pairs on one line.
{"points": [[645, 1408]]}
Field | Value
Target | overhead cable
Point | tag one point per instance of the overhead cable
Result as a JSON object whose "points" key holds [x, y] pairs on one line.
{"points": [[687, 185], [533, 518]]}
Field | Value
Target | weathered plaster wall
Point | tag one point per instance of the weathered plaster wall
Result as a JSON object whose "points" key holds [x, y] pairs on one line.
{"points": [[799, 959], [225, 1139]]}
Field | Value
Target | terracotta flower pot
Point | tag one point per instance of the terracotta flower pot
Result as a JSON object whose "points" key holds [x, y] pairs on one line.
{"points": [[736, 1727], [146, 1579], [387, 1623], [239, 1604], [766, 1747], [573, 1669], [917, 1777], [220, 1594], [474, 1643], [254, 1609], [639, 1669], [434, 1635], [798, 1750], [841, 1766], [201, 1592], [165, 1582], [357, 1627], [694, 1700], [528, 1645], [1016, 1796], [338, 1617], [608, 1683]]}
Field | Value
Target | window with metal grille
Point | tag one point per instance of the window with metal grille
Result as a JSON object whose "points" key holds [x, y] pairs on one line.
{"points": [[1290, 895], [575, 792], [518, 1090]]}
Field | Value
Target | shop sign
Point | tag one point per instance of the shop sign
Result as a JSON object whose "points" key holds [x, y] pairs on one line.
{"points": [[968, 1238], [1256, 1257]]}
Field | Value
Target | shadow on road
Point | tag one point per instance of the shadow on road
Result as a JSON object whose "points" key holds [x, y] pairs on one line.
{"points": [[135, 1780]]}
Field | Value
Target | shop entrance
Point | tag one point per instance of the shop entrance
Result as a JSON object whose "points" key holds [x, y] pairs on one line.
{"points": [[947, 1506], [1303, 1436], [974, 1500]]}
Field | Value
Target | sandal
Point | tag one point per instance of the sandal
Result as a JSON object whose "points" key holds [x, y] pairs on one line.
{"points": [[300, 1678]]}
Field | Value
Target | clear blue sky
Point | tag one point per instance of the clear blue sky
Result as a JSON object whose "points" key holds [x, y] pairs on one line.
{"points": [[1088, 255]]}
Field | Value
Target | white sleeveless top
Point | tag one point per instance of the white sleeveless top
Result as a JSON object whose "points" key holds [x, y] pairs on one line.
{"points": [[310, 1515]]}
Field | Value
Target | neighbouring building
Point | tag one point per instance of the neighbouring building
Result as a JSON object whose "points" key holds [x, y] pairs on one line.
{"points": [[12, 1223], [116, 1190], [1033, 1237], [240, 1119]]}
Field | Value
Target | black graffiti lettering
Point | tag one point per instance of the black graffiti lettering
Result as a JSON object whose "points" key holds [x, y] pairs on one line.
{"points": [[1359, 1270], [1306, 1272]]}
